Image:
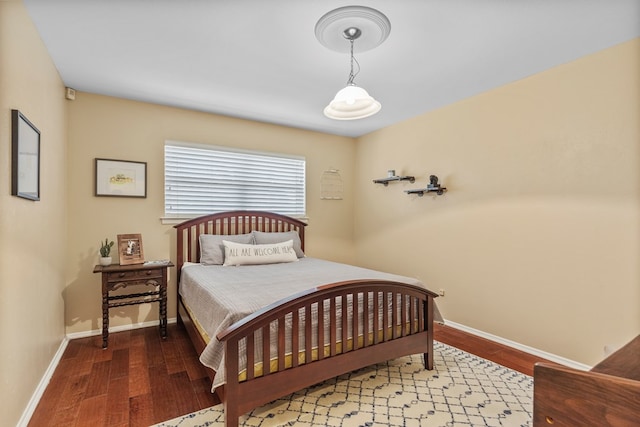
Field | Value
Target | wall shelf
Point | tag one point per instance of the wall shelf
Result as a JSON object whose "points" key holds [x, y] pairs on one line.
{"points": [[386, 181], [422, 191], [433, 187]]}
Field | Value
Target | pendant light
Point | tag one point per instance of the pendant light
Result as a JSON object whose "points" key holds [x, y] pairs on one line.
{"points": [[352, 102], [338, 30]]}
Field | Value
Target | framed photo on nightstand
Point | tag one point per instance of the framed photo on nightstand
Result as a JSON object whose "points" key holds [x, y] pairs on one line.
{"points": [[130, 249]]}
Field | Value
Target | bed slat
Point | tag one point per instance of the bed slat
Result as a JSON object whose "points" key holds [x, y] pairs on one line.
{"points": [[333, 335], [345, 322], [281, 343], [308, 323], [412, 310], [320, 328], [365, 318], [355, 302], [295, 338], [376, 317], [250, 356], [266, 350]]}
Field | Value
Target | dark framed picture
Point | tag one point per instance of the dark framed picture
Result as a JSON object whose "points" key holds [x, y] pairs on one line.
{"points": [[25, 157], [121, 178], [130, 249]]}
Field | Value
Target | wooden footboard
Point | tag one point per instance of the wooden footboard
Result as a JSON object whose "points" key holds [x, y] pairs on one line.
{"points": [[401, 324]]}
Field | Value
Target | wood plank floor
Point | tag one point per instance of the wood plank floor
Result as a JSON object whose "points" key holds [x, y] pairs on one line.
{"points": [[142, 380]]}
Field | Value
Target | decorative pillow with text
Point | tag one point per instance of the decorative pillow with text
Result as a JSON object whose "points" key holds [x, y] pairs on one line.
{"points": [[262, 238], [241, 254]]}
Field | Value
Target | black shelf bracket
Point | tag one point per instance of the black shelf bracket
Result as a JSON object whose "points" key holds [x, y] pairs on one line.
{"points": [[433, 187]]}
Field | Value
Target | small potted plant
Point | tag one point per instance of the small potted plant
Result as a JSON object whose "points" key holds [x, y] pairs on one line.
{"points": [[105, 251]]}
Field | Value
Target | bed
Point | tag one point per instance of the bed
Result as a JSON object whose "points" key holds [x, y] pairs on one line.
{"points": [[345, 317]]}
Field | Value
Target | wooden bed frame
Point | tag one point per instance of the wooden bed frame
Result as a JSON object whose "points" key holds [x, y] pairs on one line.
{"points": [[403, 329], [606, 395]]}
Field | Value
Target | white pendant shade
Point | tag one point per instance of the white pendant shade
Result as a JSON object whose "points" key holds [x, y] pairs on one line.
{"points": [[350, 103]]}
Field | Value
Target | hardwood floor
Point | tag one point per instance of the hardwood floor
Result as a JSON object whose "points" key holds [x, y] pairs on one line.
{"points": [[141, 380], [138, 381]]}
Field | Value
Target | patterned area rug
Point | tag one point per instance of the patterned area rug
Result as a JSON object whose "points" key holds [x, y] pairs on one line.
{"points": [[462, 390]]}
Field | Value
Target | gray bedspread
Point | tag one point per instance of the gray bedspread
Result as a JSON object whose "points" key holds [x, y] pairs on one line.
{"points": [[219, 296]]}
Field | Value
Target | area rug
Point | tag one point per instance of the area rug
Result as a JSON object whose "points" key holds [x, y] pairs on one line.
{"points": [[461, 390]]}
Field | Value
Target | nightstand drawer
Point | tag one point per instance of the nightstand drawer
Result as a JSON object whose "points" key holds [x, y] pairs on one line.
{"points": [[132, 275]]}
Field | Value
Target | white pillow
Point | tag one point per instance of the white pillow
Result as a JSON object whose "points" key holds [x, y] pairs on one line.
{"points": [[211, 249], [240, 254], [262, 238]]}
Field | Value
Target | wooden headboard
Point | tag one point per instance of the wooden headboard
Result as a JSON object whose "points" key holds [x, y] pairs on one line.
{"points": [[228, 223]]}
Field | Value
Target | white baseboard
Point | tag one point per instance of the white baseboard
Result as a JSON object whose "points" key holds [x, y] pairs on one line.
{"points": [[42, 385], [44, 382], [531, 350]]}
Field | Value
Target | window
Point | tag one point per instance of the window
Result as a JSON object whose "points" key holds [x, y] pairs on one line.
{"points": [[203, 179]]}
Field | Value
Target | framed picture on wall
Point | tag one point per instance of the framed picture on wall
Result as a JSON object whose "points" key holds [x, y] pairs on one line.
{"points": [[130, 249], [121, 178], [25, 157]]}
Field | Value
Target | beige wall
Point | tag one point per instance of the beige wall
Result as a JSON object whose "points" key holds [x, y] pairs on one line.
{"points": [[537, 240], [32, 234], [114, 128]]}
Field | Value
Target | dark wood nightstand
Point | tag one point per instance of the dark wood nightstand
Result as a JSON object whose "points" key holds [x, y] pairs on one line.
{"points": [[117, 276]]}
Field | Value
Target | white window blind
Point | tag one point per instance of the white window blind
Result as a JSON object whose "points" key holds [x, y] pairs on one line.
{"points": [[201, 179]]}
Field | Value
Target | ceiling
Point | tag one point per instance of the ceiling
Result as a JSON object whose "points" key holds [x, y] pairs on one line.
{"points": [[260, 60]]}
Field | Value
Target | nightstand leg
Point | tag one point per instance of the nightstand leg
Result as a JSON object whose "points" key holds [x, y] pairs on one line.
{"points": [[163, 311], [105, 320]]}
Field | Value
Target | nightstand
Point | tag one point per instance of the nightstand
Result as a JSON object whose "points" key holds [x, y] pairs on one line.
{"points": [[117, 276]]}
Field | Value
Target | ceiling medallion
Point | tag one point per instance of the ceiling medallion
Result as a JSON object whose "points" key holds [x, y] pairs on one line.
{"points": [[374, 26]]}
